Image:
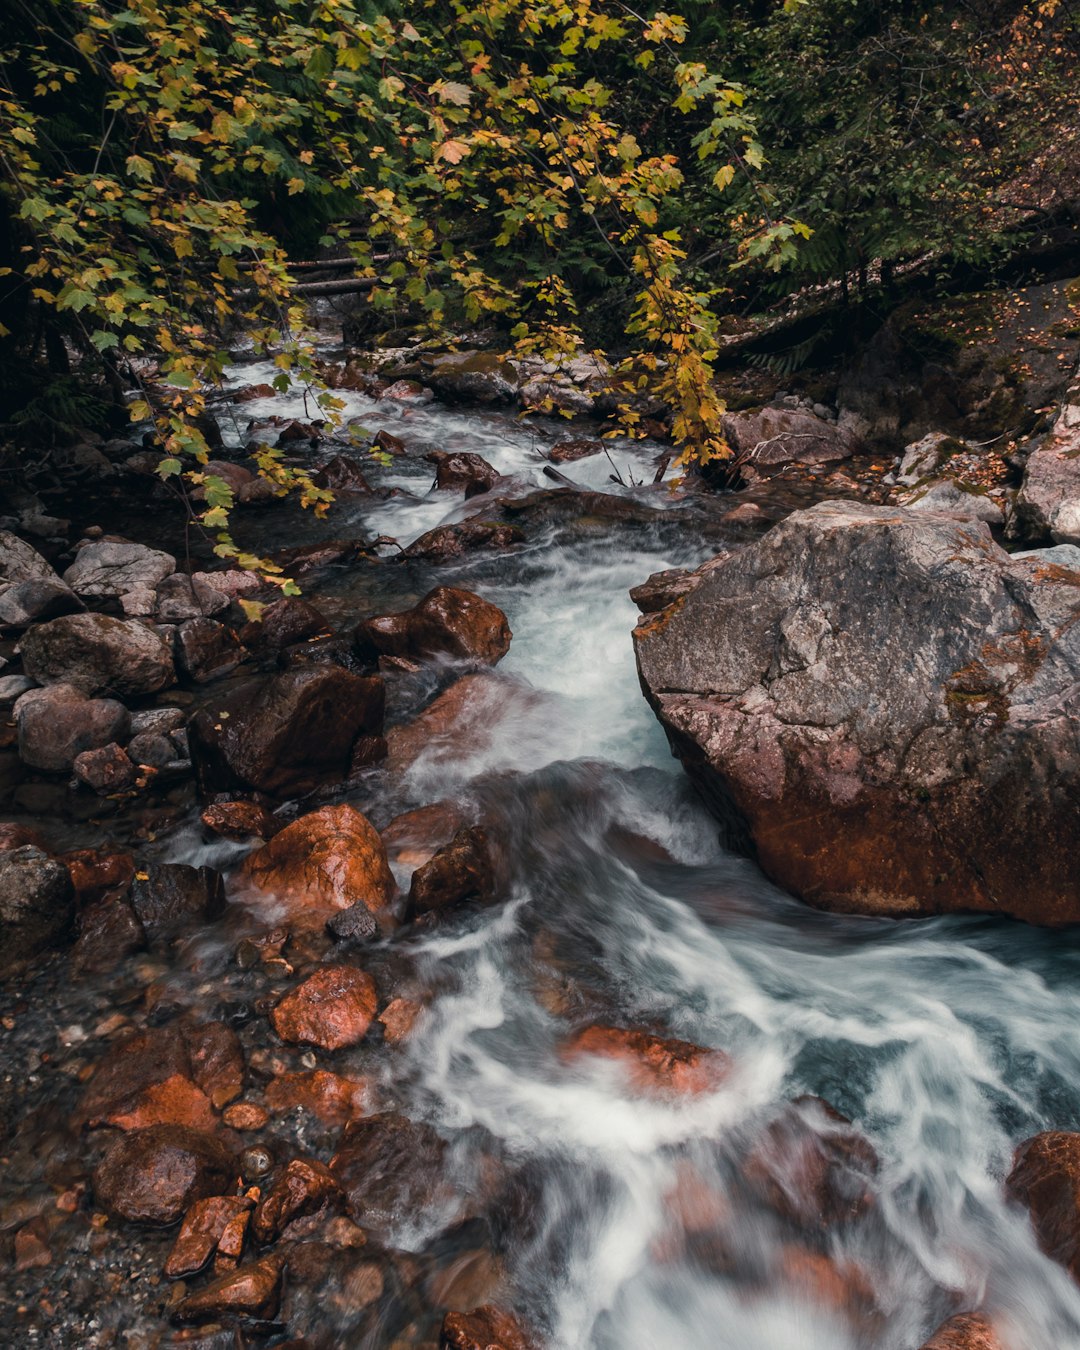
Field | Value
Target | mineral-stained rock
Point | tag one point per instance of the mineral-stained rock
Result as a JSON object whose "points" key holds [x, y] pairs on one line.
{"points": [[154, 1175], [342, 474], [885, 704], [448, 621], [239, 820], [109, 567], [652, 1063], [461, 722], [303, 1187], [99, 655], [57, 724], [200, 1233], [414, 837], [323, 863], [36, 906], [331, 1009], [389, 1167], [217, 1059], [288, 734], [1045, 1179], [461, 870], [968, 1331], [252, 1292], [485, 1328], [329, 1097], [452, 541]]}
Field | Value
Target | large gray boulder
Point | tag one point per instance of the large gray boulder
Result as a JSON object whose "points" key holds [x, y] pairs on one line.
{"points": [[99, 655], [1048, 503], [774, 436], [21, 562], [36, 903], [884, 706], [58, 723], [29, 588], [109, 568]]}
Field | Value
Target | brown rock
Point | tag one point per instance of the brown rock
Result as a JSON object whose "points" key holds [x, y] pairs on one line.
{"points": [[461, 471], [31, 1249], [206, 650], [250, 1292], [169, 897], [109, 931], [462, 721], [446, 622], [14, 836], [485, 1328], [285, 622], [384, 440], [200, 1232], [302, 1188], [331, 1009], [453, 541], [230, 1246], [57, 724], [154, 1175], [398, 1019], [105, 770], [342, 474], [239, 820], [414, 837], [389, 1166], [968, 1331], [217, 1060], [175, 1101], [568, 451], [653, 1063], [322, 863], [328, 1096], [126, 1077], [813, 1166], [245, 1116], [1045, 1179], [288, 735], [460, 871], [96, 873], [774, 436]]}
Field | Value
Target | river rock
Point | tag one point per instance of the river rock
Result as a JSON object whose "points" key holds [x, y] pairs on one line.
{"points": [[180, 597], [472, 377], [485, 1328], [389, 1168], [927, 457], [342, 475], [1045, 1179], [30, 602], [109, 932], [169, 897], [453, 541], [955, 498], [252, 1292], [968, 1331], [58, 723], [20, 561], [107, 568], [303, 1187], [460, 471], [99, 655], [774, 436], [329, 1097], [882, 704], [105, 770], [154, 1175], [202, 1229], [1048, 503], [284, 623], [461, 870], [331, 1009], [448, 621], [288, 734], [36, 904], [652, 1063], [567, 452], [239, 820], [322, 864], [206, 650]]}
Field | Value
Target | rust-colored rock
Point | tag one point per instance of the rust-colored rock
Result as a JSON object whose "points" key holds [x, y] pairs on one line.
{"points": [[302, 1188], [414, 837], [239, 820], [389, 1166], [250, 1292], [331, 1009], [841, 1286], [462, 721], [342, 475], [568, 451], [245, 1116], [485, 1328], [230, 1247], [329, 1097], [284, 623], [217, 1060], [96, 872], [131, 1077], [200, 1233], [461, 870], [398, 1019], [968, 1331], [652, 1063], [170, 897], [154, 1175], [448, 621], [109, 931], [322, 863], [813, 1166], [1045, 1179], [13, 836], [175, 1101]]}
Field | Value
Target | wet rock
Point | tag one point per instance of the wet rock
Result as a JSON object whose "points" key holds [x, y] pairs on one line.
{"points": [[201, 1231], [302, 1188], [159, 721], [29, 602], [462, 472], [99, 655], [355, 925], [340, 1297], [234, 582], [330, 1097], [652, 1063], [453, 541], [342, 475], [813, 1166], [239, 820], [1048, 503], [169, 897], [461, 870], [206, 650], [151, 750], [57, 724], [14, 836], [448, 621], [566, 452], [398, 1019], [245, 1116], [663, 589], [968, 1331], [105, 770], [109, 932], [36, 904], [461, 722], [1045, 1179], [252, 1292], [299, 431], [181, 597], [154, 1175], [774, 436], [835, 1284], [322, 863], [107, 568], [288, 734], [285, 622], [895, 757], [485, 1328], [472, 377], [414, 837], [31, 1248], [331, 1009], [389, 1167], [217, 1059], [248, 392], [96, 873], [390, 444]]}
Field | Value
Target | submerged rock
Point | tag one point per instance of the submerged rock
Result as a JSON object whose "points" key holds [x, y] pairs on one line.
{"points": [[461, 870], [485, 1328], [883, 705], [652, 1063], [389, 1167], [968, 1331], [303, 1187], [36, 904], [331, 1009], [1045, 1179]]}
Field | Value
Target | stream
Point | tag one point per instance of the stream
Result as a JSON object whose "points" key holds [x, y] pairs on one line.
{"points": [[622, 1221]]}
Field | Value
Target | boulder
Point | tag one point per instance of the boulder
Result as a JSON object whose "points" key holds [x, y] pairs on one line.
{"points": [[956, 498], [331, 1009], [927, 457], [775, 436], [1048, 503], [180, 597], [239, 820], [30, 602], [652, 1064], [206, 650], [154, 1175], [566, 452], [472, 377], [342, 475], [99, 655], [285, 622], [107, 568], [36, 904], [460, 471], [967, 1331], [57, 724], [288, 734], [322, 864], [448, 621], [1045, 1179], [882, 705], [453, 541], [19, 561], [169, 897]]}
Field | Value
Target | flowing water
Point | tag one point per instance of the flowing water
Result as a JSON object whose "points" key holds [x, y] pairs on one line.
{"points": [[627, 1220]]}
